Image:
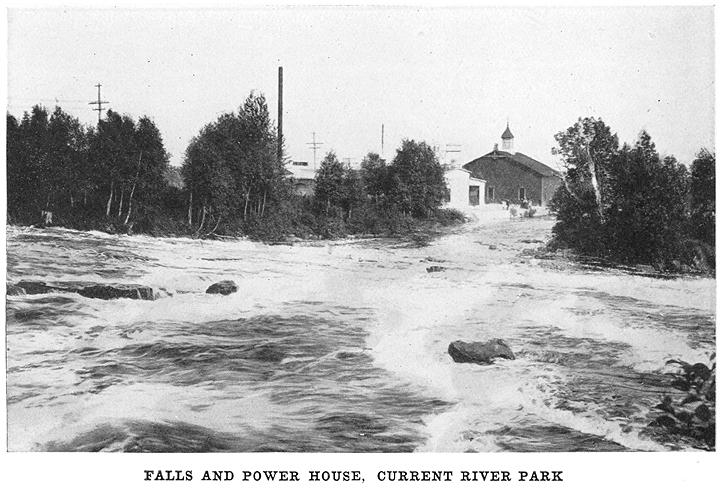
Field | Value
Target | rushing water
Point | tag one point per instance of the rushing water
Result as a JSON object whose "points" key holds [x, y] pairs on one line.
{"points": [[340, 346]]}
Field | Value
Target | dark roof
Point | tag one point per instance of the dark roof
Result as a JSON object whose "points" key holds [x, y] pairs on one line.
{"points": [[523, 159], [507, 134]]}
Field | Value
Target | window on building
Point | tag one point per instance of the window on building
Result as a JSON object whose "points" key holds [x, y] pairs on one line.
{"points": [[490, 193], [522, 194]]}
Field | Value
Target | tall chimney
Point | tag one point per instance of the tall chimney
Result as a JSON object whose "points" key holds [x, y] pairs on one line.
{"points": [[280, 128]]}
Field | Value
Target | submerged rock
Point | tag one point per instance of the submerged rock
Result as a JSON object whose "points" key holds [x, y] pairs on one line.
{"points": [[109, 292], [479, 352], [267, 354], [225, 287]]}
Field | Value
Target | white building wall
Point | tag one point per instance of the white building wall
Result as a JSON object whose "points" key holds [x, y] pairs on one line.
{"points": [[458, 183]]}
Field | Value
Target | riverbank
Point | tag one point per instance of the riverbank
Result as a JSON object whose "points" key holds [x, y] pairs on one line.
{"points": [[283, 228]]}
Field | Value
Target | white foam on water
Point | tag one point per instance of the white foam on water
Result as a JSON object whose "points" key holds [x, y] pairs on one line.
{"points": [[201, 405], [413, 315]]}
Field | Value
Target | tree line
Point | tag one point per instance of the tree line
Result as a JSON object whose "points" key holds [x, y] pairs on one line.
{"points": [[68, 174], [630, 204], [115, 177]]}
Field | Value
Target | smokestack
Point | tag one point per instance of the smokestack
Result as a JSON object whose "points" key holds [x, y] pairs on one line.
{"points": [[280, 128]]}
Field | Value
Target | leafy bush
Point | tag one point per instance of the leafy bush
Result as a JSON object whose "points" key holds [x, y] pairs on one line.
{"points": [[692, 417], [448, 216]]}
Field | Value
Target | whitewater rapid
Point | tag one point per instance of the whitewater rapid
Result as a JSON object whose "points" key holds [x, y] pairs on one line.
{"points": [[340, 346]]}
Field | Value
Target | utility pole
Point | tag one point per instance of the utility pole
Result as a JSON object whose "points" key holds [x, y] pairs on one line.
{"points": [[280, 130], [382, 155], [99, 102], [314, 145]]}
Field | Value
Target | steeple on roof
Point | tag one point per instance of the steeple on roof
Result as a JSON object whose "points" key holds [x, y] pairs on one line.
{"points": [[507, 134]]}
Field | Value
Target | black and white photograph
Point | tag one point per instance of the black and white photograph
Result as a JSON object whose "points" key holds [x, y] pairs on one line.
{"points": [[361, 229]]}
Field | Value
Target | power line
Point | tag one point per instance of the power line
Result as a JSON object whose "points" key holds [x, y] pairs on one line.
{"points": [[99, 102]]}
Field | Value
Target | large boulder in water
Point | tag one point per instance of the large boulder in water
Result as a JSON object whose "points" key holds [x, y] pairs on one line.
{"points": [[225, 287], [109, 292], [479, 352]]}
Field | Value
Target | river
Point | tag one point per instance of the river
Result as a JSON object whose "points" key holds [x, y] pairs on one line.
{"points": [[340, 346]]}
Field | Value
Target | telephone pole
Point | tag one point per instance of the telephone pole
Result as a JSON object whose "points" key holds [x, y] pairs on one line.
{"points": [[314, 146], [99, 103], [280, 131], [382, 155]]}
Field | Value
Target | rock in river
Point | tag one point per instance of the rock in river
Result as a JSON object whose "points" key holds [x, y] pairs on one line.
{"points": [[479, 352], [88, 290], [29, 288], [225, 287], [108, 292]]}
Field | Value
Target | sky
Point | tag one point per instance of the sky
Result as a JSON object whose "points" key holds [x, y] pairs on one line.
{"points": [[452, 77]]}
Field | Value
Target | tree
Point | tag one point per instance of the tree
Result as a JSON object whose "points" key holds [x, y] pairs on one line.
{"points": [[208, 178], [647, 213], [232, 167], [67, 149], [17, 169], [148, 183], [115, 155], [329, 187], [587, 149], [702, 192], [628, 203], [354, 193], [374, 174], [416, 179]]}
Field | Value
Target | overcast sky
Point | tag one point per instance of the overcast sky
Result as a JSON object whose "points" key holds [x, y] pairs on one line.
{"points": [[447, 76]]}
